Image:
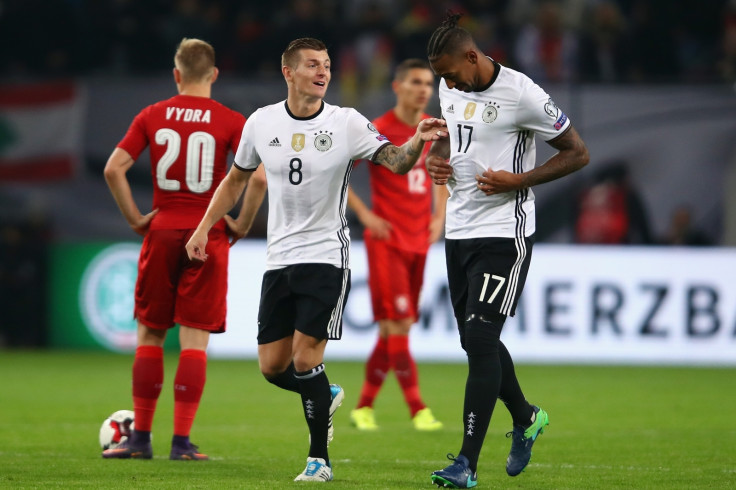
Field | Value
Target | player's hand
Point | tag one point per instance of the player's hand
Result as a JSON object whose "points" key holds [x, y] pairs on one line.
{"points": [[379, 228], [196, 246], [497, 182], [432, 129], [233, 230], [144, 223], [439, 169]]}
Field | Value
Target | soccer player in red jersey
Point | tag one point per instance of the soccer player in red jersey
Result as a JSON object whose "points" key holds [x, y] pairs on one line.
{"points": [[190, 136], [398, 232]]}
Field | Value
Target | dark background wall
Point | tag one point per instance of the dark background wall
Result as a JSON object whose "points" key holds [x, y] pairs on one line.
{"points": [[648, 83]]}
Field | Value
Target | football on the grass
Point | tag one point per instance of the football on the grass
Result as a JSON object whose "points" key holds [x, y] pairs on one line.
{"points": [[116, 429]]}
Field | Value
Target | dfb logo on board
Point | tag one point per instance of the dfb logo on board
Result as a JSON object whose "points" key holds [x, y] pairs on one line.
{"points": [[106, 296]]}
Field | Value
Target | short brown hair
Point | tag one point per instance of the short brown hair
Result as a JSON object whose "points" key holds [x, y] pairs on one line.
{"points": [[290, 57], [402, 69], [195, 60]]}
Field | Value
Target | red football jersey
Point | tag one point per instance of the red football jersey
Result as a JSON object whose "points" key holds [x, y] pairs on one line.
{"points": [[403, 200], [190, 138]]}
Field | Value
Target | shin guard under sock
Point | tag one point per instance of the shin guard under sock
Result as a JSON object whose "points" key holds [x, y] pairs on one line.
{"points": [[510, 393], [376, 369], [483, 383], [191, 375], [148, 377], [405, 368], [316, 399]]}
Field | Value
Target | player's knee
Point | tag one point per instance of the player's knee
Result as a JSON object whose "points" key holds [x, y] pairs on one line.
{"points": [[269, 374], [482, 334], [271, 371], [397, 327], [151, 336]]}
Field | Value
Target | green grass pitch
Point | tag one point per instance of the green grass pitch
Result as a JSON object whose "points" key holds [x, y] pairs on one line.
{"points": [[610, 427]]}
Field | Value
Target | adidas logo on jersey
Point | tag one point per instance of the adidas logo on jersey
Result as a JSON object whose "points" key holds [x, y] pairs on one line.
{"points": [[274, 142], [451, 109]]}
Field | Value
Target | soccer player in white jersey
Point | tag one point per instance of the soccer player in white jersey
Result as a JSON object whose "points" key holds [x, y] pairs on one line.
{"points": [[493, 114], [307, 148]]}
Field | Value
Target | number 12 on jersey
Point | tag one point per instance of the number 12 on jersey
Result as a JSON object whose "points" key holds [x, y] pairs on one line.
{"points": [[486, 279]]}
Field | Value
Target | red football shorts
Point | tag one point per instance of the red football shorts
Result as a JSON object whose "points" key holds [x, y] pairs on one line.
{"points": [[172, 289], [395, 278]]}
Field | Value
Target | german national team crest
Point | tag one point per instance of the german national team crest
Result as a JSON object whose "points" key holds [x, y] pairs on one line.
{"points": [[297, 141], [490, 112], [469, 110], [322, 140]]}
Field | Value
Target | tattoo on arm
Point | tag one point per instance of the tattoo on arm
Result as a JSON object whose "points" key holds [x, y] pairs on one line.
{"points": [[399, 159], [440, 148], [572, 155]]}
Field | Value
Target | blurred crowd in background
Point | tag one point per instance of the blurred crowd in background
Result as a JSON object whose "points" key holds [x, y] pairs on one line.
{"points": [[607, 41], [553, 41]]}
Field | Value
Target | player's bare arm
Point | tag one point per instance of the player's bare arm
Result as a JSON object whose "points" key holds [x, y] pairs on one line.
{"points": [[572, 156], [440, 195], [437, 162], [224, 199], [401, 159], [255, 191], [116, 168], [379, 228]]}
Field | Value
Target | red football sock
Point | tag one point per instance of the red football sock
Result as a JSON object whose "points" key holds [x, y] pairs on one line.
{"points": [[188, 387], [148, 377], [376, 369], [405, 368]]}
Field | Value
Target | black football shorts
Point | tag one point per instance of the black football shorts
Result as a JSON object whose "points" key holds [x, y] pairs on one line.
{"points": [[487, 275], [309, 298]]}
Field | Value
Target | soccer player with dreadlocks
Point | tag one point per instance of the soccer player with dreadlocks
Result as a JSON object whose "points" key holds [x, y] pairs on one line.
{"points": [[488, 164]]}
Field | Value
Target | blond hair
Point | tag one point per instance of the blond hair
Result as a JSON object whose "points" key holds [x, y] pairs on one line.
{"points": [[195, 60]]}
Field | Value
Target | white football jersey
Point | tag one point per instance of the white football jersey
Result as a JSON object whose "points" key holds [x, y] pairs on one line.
{"points": [[495, 129], [308, 163]]}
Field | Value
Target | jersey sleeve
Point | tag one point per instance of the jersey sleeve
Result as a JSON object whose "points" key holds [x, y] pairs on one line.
{"points": [[135, 140], [247, 158], [364, 138], [538, 112]]}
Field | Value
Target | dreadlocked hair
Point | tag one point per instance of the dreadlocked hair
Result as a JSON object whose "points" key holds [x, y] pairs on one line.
{"points": [[447, 36]]}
